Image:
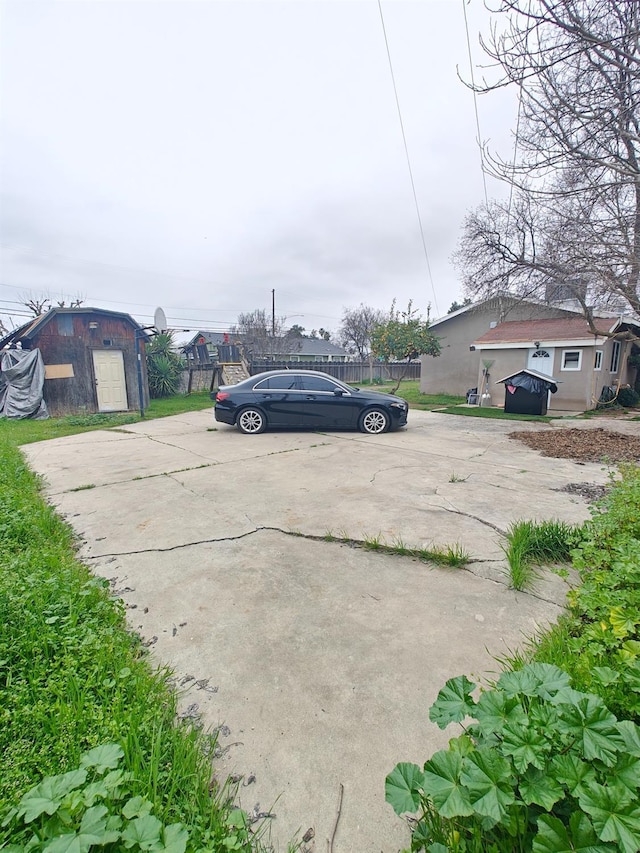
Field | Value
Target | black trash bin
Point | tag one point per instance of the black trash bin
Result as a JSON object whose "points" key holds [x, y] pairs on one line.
{"points": [[527, 391]]}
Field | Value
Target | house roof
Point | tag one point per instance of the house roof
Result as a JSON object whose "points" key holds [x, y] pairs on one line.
{"points": [[290, 345], [317, 346], [547, 332], [28, 330], [505, 297]]}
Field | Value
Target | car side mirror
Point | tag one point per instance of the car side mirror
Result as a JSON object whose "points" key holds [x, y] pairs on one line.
{"points": [[339, 392]]}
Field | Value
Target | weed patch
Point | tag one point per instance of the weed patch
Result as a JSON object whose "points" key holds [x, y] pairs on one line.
{"points": [[550, 756], [72, 678]]}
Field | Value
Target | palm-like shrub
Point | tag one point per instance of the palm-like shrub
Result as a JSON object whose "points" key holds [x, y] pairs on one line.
{"points": [[163, 366]]}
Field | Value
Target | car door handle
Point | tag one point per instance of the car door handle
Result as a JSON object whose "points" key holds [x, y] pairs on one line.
{"points": [[310, 397]]}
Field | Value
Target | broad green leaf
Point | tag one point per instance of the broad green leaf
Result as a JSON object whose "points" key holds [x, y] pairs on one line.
{"points": [[104, 757], [605, 675], [94, 821], [519, 682], [627, 771], [136, 807], [534, 679], [631, 735], [143, 831], [593, 726], [551, 679], [540, 788], [571, 771], [67, 843], [495, 708], [462, 744], [175, 838], [554, 837], [487, 777], [47, 796], [568, 696], [525, 745], [402, 787], [441, 782], [614, 813], [454, 702]]}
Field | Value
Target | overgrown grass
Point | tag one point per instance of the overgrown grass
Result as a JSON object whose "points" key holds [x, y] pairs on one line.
{"points": [[490, 412], [410, 391], [72, 676], [26, 431], [452, 555], [598, 641], [531, 544]]}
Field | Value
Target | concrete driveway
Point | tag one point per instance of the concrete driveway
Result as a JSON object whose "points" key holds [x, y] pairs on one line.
{"points": [[317, 660]]}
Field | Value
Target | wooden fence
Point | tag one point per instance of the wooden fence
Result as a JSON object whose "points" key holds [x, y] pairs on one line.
{"points": [[346, 371], [201, 377]]}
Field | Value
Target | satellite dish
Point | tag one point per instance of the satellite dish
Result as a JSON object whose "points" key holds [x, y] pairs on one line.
{"points": [[160, 320]]}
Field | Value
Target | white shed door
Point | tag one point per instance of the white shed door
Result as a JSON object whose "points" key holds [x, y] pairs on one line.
{"points": [[108, 365], [541, 360]]}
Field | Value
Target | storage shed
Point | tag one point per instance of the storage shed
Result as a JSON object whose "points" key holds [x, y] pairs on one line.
{"points": [[90, 358]]}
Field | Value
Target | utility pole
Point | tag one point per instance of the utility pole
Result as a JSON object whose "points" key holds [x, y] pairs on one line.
{"points": [[273, 313]]}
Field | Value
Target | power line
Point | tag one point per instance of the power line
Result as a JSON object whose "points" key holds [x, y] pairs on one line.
{"points": [[475, 103], [406, 151]]}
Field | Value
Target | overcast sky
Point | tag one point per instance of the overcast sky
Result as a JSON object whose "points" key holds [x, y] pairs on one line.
{"points": [[198, 155]]}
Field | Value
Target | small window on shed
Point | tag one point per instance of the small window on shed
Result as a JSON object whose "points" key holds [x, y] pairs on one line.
{"points": [[65, 325], [571, 359], [597, 360]]}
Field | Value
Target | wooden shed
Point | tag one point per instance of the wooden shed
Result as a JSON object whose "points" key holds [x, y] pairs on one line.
{"points": [[90, 357]]}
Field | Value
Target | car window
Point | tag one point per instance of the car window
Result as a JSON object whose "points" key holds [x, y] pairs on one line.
{"points": [[318, 383], [279, 383]]}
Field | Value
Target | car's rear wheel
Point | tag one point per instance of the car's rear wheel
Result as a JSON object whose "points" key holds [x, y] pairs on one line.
{"points": [[374, 421], [251, 421]]}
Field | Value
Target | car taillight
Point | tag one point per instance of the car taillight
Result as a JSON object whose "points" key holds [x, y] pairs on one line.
{"points": [[221, 395]]}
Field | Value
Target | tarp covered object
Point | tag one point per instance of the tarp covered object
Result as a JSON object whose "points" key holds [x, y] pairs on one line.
{"points": [[532, 381], [21, 384]]}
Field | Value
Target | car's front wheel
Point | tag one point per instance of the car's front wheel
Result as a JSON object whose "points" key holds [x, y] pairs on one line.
{"points": [[251, 421], [374, 422]]}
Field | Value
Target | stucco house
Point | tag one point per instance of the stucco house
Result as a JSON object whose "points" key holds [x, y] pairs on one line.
{"points": [[455, 370], [566, 348]]}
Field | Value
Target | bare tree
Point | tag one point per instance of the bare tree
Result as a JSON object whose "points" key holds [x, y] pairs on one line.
{"points": [[573, 217], [37, 304], [356, 329], [264, 337]]}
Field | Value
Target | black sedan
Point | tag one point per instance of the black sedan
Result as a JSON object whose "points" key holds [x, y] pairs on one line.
{"points": [[306, 398]]}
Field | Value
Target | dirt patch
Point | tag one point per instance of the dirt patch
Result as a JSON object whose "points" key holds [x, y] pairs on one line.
{"points": [[583, 445], [589, 491]]}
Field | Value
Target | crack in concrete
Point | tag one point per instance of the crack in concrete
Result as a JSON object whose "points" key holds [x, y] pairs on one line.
{"points": [[353, 543]]}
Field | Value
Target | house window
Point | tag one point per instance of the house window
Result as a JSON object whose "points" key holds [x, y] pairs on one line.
{"points": [[597, 360], [615, 357], [65, 325], [571, 359]]}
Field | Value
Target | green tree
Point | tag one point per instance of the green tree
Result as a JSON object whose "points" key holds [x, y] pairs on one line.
{"points": [[163, 366], [403, 337]]}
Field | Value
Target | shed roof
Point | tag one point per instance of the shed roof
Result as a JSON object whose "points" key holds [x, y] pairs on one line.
{"points": [[28, 330]]}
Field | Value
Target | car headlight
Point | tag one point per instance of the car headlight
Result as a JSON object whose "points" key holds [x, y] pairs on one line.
{"points": [[399, 405]]}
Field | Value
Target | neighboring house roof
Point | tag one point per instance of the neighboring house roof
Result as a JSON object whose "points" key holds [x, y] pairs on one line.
{"points": [[315, 346], [549, 332], [30, 329], [215, 338], [287, 345]]}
